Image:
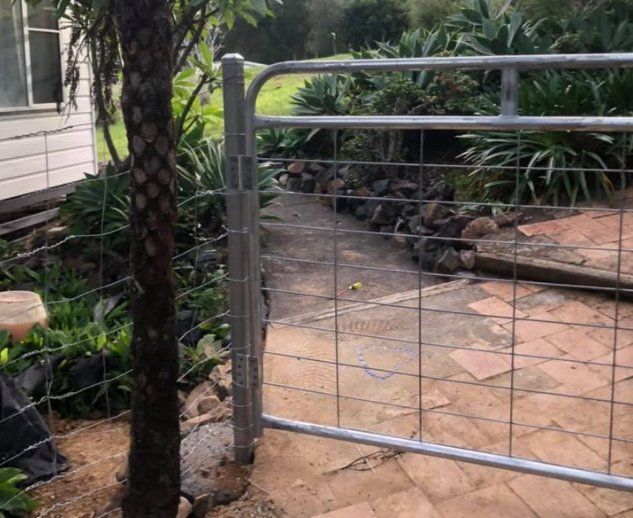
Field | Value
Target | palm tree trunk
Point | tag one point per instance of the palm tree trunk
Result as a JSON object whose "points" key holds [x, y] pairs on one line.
{"points": [[146, 34]]}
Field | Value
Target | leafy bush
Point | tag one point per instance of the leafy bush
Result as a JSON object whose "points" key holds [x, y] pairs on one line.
{"points": [[598, 27], [544, 156], [99, 205], [13, 500]]}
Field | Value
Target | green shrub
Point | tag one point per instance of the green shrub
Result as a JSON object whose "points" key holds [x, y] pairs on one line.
{"points": [[543, 156], [13, 500], [99, 205], [596, 27]]}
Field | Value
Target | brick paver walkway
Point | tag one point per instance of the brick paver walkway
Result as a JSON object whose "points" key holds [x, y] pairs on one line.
{"points": [[598, 231], [563, 353]]}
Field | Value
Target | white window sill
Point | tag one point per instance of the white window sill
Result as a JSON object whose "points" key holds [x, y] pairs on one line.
{"points": [[26, 110]]}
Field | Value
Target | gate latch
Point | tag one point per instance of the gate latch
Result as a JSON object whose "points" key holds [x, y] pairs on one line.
{"points": [[246, 371]]}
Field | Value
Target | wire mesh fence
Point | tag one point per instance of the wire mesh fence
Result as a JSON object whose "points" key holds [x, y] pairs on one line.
{"points": [[66, 331], [445, 303]]}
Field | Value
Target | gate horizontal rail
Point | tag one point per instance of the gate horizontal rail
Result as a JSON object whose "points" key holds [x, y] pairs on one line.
{"points": [[242, 124]]}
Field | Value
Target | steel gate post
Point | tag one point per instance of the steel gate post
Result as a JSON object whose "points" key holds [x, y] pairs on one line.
{"points": [[238, 261]]}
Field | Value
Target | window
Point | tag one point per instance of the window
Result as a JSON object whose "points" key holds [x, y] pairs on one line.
{"points": [[30, 56]]}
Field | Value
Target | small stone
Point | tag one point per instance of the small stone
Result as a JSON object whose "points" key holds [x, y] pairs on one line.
{"points": [[204, 389], [202, 505], [294, 184], [122, 472], [296, 167], [380, 187], [323, 177], [283, 179], [467, 259], [405, 186], [433, 211], [298, 483], [479, 227], [379, 217], [184, 508], [307, 183], [448, 262], [220, 377], [207, 404], [508, 219], [334, 185]]}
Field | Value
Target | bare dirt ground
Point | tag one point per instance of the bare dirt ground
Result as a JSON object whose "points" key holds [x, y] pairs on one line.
{"points": [[446, 349], [95, 452]]}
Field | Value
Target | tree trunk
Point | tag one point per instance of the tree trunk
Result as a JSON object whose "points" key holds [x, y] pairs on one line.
{"points": [[146, 33]]}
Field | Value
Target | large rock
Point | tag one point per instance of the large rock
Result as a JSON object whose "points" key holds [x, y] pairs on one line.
{"points": [[204, 389], [448, 262], [380, 187], [440, 191], [480, 227], [207, 474], [307, 183], [433, 211], [296, 168], [467, 259], [379, 217], [323, 177]]}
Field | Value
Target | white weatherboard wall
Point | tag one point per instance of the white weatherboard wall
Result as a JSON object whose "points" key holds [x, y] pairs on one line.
{"points": [[71, 153]]}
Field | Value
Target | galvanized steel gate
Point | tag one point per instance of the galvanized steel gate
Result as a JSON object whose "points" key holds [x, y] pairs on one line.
{"points": [[241, 124]]}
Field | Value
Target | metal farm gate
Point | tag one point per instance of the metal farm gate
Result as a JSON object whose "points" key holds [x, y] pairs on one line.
{"points": [[580, 400]]}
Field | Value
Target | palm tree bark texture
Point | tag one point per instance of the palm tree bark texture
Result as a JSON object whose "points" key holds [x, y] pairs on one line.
{"points": [[146, 34]]}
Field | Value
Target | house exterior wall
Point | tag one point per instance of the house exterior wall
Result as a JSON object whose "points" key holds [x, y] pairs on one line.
{"points": [[35, 163]]}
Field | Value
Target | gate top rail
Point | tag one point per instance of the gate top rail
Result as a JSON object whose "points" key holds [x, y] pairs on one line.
{"points": [[510, 65]]}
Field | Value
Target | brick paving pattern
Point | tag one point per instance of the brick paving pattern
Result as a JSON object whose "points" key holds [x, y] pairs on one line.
{"points": [[561, 344]]}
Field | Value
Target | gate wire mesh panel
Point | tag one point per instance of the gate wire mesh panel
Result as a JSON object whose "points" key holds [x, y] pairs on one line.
{"points": [[65, 384], [471, 295]]}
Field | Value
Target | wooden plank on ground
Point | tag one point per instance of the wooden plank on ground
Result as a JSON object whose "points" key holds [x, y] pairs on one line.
{"points": [[28, 221], [555, 272]]}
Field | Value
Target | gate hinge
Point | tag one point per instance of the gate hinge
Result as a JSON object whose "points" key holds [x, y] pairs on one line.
{"points": [[246, 371]]}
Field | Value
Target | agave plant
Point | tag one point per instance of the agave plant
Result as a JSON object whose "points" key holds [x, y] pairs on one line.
{"points": [[322, 95], [487, 29], [203, 180], [415, 44], [599, 27], [100, 205]]}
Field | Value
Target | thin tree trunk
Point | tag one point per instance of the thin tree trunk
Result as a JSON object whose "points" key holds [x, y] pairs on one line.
{"points": [[146, 33], [102, 111]]}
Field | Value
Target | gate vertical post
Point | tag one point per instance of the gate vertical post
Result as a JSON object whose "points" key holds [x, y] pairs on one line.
{"points": [[238, 223]]}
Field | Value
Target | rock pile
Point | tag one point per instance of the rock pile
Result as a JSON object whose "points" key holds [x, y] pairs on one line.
{"points": [[440, 236]]}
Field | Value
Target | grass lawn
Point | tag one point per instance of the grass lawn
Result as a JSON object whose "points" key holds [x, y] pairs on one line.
{"points": [[274, 99]]}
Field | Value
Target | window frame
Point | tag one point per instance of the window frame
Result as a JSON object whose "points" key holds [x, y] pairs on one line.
{"points": [[32, 106]]}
